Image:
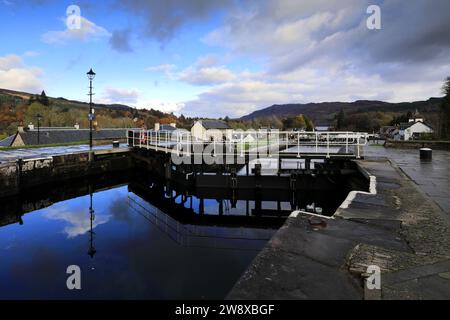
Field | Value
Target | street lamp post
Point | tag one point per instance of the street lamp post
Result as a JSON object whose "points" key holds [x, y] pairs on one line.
{"points": [[91, 76], [39, 118]]}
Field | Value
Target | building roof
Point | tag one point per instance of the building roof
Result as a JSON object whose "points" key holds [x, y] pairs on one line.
{"points": [[214, 124], [406, 125], [52, 136], [167, 127], [8, 141]]}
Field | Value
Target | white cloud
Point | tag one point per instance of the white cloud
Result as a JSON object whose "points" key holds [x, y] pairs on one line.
{"points": [[320, 82], [206, 76], [78, 223], [121, 96], [15, 75], [165, 68], [208, 60], [162, 105], [135, 98], [241, 97], [279, 30], [31, 54], [318, 50], [203, 72], [88, 31], [10, 61]]}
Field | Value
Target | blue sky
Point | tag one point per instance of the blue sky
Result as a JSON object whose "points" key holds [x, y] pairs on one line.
{"points": [[230, 57]]}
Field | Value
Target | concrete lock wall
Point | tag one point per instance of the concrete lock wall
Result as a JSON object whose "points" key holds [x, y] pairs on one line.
{"points": [[20, 175], [8, 179]]}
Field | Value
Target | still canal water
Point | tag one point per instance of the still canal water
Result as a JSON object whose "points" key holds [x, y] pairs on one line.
{"points": [[141, 240], [137, 251]]}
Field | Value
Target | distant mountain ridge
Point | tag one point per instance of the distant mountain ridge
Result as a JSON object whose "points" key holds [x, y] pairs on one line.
{"points": [[25, 96], [324, 112]]}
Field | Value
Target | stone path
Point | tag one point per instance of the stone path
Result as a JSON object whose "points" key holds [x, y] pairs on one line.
{"points": [[400, 229]]}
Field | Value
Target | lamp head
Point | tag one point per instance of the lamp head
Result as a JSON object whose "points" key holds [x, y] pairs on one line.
{"points": [[91, 74]]}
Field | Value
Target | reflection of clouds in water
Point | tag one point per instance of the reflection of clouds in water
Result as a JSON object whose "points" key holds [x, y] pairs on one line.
{"points": [[119, 209], [79, 222]]}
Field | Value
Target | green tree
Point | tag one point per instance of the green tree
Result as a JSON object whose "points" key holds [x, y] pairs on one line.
{"points": [[399, 119], [309, 124], [44, 99], [38, 108], [445, 111], [340, 120]]}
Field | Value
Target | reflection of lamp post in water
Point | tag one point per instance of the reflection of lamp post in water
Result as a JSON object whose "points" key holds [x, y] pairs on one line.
{"points": [[91, 251]]}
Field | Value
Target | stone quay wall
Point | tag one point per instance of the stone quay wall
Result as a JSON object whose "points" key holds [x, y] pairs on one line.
{"points": [[22, 174]]}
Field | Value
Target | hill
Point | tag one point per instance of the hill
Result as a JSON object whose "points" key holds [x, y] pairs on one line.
{"points": [[60, 100], [324, 113], [22, 108]]}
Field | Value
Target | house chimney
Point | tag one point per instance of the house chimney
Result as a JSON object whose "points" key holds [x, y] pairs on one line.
{"points": [[173, 124], [77, 126], [157, 126], [20, 128], [31, 126]]}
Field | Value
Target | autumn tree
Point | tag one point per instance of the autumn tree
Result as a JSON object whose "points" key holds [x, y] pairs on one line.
{"points": [[299, 122]]}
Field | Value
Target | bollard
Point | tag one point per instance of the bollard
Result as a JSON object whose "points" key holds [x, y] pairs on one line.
{"points": [[426, 154]]}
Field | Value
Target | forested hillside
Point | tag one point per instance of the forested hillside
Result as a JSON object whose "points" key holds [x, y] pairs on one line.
{"points": [[22, 108]]}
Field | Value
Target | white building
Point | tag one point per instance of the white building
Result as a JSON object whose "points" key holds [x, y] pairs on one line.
{"points": [[165, 127], [207, 130], [414, 128], [322, 128]]}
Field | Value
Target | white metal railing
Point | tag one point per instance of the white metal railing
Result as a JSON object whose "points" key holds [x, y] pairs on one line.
{"points": [[251, 142]]}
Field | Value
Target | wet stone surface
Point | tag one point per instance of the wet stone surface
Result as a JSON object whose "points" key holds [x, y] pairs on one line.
{"points": [[401, 229], [433, 177]]}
